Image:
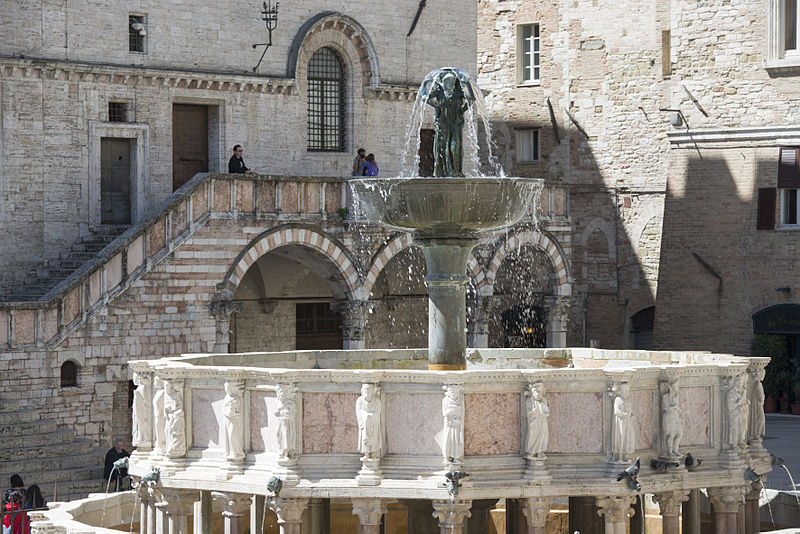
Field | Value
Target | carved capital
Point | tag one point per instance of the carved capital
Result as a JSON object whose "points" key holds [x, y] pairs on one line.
{"points": [[370, 511], [451, 514], [616, 509], [727, 500], [558, 311], [535, 510], [177, 501], [223, 309], [354, 315], [670, 501], [288, 510], [233, 504]]}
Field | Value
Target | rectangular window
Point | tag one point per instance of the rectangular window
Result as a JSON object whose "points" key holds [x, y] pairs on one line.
{"points": [[789, 207], [136, 33], [528, 53], [118, 112], [789, 17], [527, 145]]}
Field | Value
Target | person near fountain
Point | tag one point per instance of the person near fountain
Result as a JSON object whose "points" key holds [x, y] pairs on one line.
{"points": [[450, 101], [370, 166], [358, 162], [117, 475], [35, 500], [13, 500], [236, 163]]}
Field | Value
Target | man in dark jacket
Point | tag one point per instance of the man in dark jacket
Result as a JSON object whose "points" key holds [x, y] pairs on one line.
{"points": [[115, 453], [236, 163]]}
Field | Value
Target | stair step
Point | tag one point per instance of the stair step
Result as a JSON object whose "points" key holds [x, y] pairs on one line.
{"points": [[19, 416], [89, 460], [61, 435], [71, 448], [25, 429], [64, 479]]}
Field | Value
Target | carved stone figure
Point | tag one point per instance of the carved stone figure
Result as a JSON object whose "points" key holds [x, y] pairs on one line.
{"points": [[449, 92], [286, 416], [538, 411], [757, 424], [453, 413], [141, 411], [736, 404], [370, 424], [234, 420], [159, 422], [624, 436], [176, 423], [671, 426]]}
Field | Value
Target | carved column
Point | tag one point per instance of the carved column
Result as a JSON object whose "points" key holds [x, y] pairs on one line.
{"points": [[584, 516], [178, 505], [290, 513], [451, 515], [752, 519], [725, 507], [144, 499], [369, 512], [536, 510], [203, 513], [222, 311], [557, 320], [235, 506], [317, 517], [354, 315], [257, 514], [156, 517], [691, 513], [670, 504], [756, 427], [615, 511]]}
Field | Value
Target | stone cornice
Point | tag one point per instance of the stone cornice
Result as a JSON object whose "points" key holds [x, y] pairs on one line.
{"points": [[749, 136]]}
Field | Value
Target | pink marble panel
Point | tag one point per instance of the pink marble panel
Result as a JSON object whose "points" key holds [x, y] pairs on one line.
{"points": [[263, 426], [207, 428], [696, 412], [576, 422], [329, 423], [643, 413], [413, 421], [491, 423]]}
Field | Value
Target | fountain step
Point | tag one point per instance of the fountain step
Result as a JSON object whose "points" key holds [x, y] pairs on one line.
{"points": [[61, 435], [22, 416], [89, 460], [43, 426], [30, 452]]}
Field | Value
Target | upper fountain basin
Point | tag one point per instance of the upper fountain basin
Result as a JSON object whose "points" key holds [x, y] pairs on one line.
{"points": [[446, 207]]}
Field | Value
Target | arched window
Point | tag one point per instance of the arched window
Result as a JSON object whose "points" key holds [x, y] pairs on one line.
{"points": [[325, 101], [69, 374]]}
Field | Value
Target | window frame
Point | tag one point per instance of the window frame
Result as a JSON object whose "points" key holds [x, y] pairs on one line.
{"points": [[537, 145], [777, 55], [314, 84], [535, 55], [785, 198], [132, 18]]}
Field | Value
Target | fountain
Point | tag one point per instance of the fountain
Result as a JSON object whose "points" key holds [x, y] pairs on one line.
{"points": [[446, 213]]}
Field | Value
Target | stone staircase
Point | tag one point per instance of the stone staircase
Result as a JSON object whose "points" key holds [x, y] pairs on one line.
{"points": [[44, 454], [42, 279]]}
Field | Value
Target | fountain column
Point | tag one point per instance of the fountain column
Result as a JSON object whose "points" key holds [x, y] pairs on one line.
{"points": [[751, 510], [178, 504], [616, 511], [234, 507], [290, 514], [452, 515], [446, 260], [669, 502], [725, 504], [536, 510], [370, 512]]}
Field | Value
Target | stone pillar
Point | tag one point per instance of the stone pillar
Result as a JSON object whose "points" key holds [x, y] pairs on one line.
{"points": [[451, 515], [369, 512], [203, 514], [478, 321], [584, 516], [354, 315], [234, 507], [691, 513], [670, 504], [317, 517], [177, 504], [153, 513], [290, 514], [725, 507], [222, 311], [616, 511], [421, 517], [536, 510], [144, 504], [557, 320], [257, 514], [446, 261], [752, 519]]}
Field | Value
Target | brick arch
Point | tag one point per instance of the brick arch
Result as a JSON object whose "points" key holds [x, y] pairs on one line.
{"points": [[381, 258], [293, 235], [348, 36], [485, 280]]}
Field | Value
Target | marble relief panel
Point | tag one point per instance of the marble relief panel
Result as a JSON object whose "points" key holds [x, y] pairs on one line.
{"points": [[576, 422], [207, 427], [491, 423], [696, 411], [263, 426], [413, 421], [643, 414], [329, 423]]}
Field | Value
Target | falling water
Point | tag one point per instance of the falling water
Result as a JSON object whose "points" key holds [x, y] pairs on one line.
{"points": [[264, 514], [108, 486], [794, 488], [133, 512], [769, 503]]}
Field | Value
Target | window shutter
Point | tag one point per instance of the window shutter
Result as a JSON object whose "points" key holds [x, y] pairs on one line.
{"points": [[789, 168], [765, 220]]}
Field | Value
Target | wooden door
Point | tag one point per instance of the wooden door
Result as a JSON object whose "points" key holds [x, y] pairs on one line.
{"points": [[189, 142], [115, 181]]}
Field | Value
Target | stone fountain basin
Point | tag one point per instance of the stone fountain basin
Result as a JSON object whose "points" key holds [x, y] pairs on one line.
{"points": [[446, 207]]}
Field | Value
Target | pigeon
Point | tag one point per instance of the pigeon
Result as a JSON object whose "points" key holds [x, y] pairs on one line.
{"points": [[631, 471], [691, 463], [661, 466], [274, 484]]}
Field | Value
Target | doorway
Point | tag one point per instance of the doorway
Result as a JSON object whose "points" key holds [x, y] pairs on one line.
{"points": [[189, 142], [115, 181]]}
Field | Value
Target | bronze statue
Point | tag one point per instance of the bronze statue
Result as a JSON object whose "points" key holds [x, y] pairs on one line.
{"points": [[449, 92]]}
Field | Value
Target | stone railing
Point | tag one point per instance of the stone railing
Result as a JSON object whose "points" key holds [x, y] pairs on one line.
{"points": [[63, 309], [521, 422]]}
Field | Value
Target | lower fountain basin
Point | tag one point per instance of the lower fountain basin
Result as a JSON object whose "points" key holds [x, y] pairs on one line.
{"points": [[446, 207]]}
